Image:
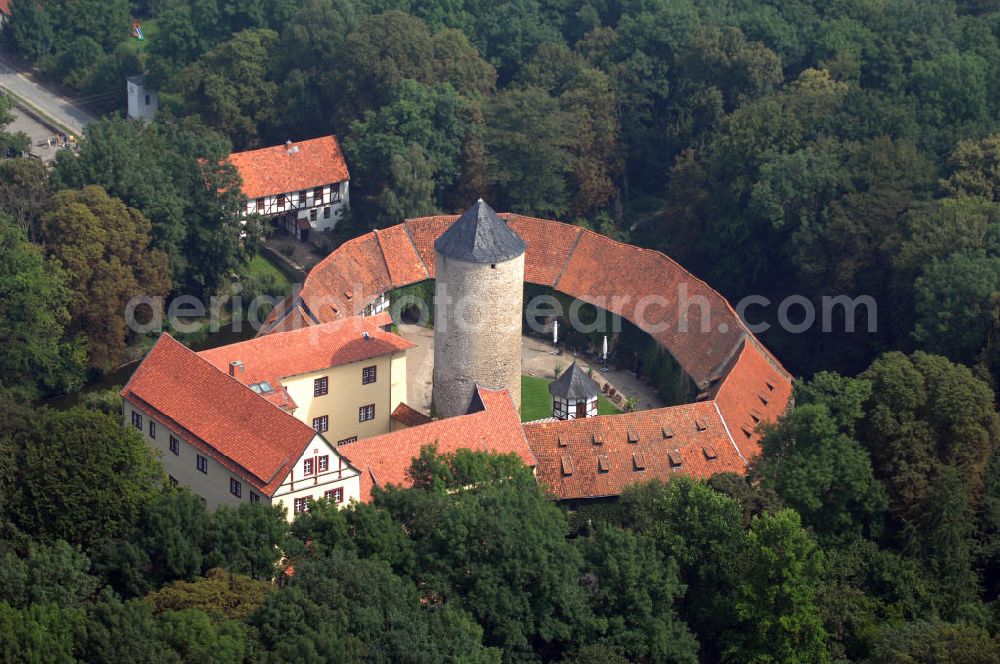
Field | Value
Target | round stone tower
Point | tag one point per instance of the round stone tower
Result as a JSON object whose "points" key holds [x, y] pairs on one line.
{"points": [[479, 296]]}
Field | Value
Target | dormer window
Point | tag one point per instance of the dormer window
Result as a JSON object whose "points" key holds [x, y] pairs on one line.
{"points": [[567, 465]]}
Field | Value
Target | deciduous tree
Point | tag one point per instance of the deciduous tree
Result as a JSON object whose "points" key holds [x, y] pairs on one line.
{"points": [[113, 477], [38, 355], [105, 249]]}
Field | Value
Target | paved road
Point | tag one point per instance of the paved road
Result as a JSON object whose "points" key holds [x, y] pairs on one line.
{"points": [[43, 99], [37, 132]]}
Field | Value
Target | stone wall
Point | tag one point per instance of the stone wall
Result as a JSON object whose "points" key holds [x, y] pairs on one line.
{"points": [[477, 335]]}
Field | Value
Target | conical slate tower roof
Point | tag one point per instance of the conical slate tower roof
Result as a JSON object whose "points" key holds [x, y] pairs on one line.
{"points": [[574, 383], [480, 236]]}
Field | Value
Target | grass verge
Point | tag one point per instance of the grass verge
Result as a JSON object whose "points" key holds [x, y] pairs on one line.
{"points": [[536, 402]]}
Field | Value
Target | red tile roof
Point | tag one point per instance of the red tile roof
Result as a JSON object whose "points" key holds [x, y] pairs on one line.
{"points": [[5, 7], [576, 261], [408, 416], [569, 459], [550, 245], [741, 396], [307, 349], [401, 257], [216, 413], [281, 169], [724, 358], [381, 319], [385, 459]]}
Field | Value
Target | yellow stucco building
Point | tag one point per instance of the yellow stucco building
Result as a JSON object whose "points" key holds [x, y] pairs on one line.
{"points": [[260, 420]]}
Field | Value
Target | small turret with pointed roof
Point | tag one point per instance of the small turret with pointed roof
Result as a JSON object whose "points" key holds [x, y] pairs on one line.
{"points": [[574, 394], [574, 383], [480, 236]]}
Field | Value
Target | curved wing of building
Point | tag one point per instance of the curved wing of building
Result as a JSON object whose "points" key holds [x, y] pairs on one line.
{"points": [[693, 322]]}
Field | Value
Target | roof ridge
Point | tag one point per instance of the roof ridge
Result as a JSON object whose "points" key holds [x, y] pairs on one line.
{"points": [[406, 229], [385, 261], [729, 434], [291, 418], [294, 425], [199, 442], [279, 146], [569, 256]]}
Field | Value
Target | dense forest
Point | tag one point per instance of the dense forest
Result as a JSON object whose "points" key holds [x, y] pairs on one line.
{"points": [[815, 148], [847, 147]]}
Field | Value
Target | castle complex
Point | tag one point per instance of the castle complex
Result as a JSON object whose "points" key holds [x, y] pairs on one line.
{"points": [[477, 315], [346, 381]]}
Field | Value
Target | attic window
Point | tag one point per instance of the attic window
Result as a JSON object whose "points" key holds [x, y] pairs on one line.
{"points": [[567, 465], [633, 437], [747, 430], [668, 432], [755, 416], [603, 464], [262, 387], [598, 439], [763, 398], [639, 461], [334, 308], [770, 386], [709, 452], [675, 458], [561, 441], [348, 294], [700, 425]]}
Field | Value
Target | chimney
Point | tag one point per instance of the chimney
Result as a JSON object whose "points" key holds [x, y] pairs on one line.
{"points": [[234, 367], [288, 144]]}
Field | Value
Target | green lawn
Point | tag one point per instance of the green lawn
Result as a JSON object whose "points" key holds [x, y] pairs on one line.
{"points": [[536, 402], [260, 266]]}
